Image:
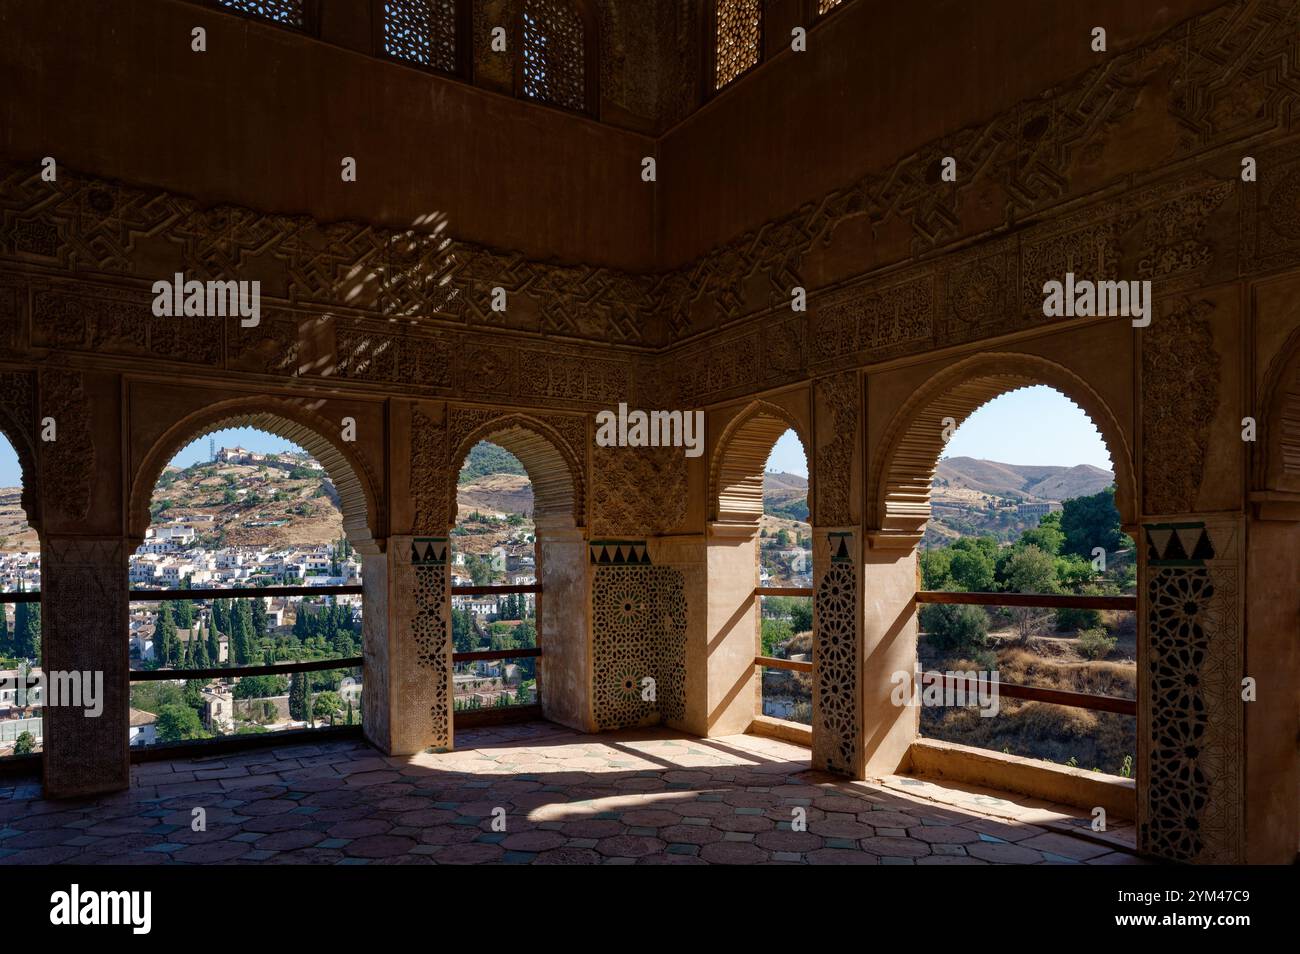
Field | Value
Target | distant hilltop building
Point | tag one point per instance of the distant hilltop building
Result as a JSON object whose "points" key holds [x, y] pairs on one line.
{"points": [[1038, 509], [239, 455]]}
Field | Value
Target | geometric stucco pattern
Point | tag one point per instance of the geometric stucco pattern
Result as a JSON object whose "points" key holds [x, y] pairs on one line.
{"points": [[430, 637], [836, 705], [839, 395], [637, 491], [1191, 700], [638, 633], [1180, 389], [68, 462]]}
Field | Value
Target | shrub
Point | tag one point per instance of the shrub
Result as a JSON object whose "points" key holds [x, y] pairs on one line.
{"points": [[1096, 643], [951, 626]]}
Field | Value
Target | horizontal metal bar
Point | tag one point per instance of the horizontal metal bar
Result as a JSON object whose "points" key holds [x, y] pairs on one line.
{"points": [[487, 654], [783, 591], [1045, 600], [27, 596], [492, 590], [772, 662], [275, 669], [240, 593], [1060, 697]]}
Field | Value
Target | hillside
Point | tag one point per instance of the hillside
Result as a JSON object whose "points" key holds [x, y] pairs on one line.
{"points": [[14, 532], [1026, 482], [972, 496], [249, 505]]}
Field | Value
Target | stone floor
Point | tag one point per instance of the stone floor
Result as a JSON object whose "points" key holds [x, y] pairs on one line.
{"points": [[643, 797]]}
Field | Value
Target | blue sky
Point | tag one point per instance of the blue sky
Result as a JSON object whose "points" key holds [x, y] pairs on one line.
{"points": [[254, 440], [1035, 425], [1031, 426]]}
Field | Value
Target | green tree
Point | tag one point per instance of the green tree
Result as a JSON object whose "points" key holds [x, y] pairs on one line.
{"points": [[259, 619], [1029, 570], [774, 633], [971, 569], [1047, 536], [177, 723], [328, 705], [1090, 522], [955, 627], [214, 642], [935, 568], [299, 698], [166, 647], [27, 631], [463, 637], [25, 744]]}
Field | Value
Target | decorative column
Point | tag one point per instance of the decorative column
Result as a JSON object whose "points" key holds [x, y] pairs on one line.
{"points": [[84, 580], [408, 683], [85, 631]]}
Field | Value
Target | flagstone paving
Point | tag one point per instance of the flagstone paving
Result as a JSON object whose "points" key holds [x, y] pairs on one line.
{"points": [[537, 794]]}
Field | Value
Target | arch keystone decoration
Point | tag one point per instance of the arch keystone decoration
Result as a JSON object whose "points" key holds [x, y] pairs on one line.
{"points": [[364, 514], [899, 500]]}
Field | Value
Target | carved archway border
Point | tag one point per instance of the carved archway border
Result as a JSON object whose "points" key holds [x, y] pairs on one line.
{"points": [[552, 465], [364, 514], [736, 460], [899, 502], [17, 418], [1277, 455]]}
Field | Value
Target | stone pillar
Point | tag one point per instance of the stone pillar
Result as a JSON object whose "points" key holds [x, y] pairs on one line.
{"points": [[889, 637], [1190, 706], [837, 730], [408, 688], [84, 630], [1273, 661], [564, 624], [730, 684], [84, 579]]}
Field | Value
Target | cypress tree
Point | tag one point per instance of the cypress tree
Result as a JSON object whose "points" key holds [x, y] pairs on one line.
{"points": [[214, 642], [298, 697]]}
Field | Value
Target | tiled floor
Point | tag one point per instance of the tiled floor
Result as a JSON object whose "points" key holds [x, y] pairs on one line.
{"points": [[644, 797]]}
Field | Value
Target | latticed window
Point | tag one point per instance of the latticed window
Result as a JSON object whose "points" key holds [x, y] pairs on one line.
{"points": [[554, 46], [422, 31], [288, 12], [826, 6], [739, 38]]}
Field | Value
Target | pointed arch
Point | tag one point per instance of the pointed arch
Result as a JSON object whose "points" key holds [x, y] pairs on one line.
{"points": [[553, 470], [1277, 452], [19, 439], [736, 470], [899, 502], [364, 517]]}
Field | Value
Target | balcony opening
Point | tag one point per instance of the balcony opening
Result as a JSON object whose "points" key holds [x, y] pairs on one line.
{"points": [[784, 574], [1023, 504], [20, 615], [494, 584], [257, 622]]}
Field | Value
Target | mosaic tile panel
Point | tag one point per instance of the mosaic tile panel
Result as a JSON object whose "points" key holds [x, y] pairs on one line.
{"points": [[1192, 703], [639, 632]]}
